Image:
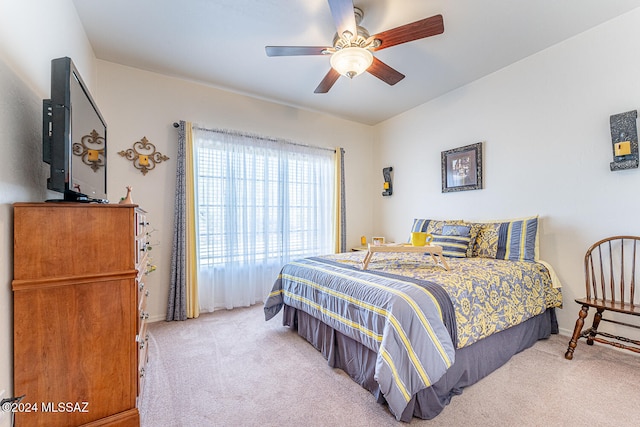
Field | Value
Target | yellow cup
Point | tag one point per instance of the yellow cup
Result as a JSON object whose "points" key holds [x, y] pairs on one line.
{"points": [[419, 238]]}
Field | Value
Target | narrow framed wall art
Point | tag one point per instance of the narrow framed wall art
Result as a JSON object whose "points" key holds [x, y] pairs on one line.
{"points": [[462, 168]]}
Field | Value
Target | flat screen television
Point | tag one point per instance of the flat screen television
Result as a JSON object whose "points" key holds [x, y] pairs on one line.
{"points": [[74, 137]]}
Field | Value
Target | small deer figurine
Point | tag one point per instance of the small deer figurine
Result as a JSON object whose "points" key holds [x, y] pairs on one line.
{"points": [[127, 199]]}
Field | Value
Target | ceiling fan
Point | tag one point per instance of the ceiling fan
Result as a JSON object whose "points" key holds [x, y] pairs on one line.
{"points": [[351, 53]]}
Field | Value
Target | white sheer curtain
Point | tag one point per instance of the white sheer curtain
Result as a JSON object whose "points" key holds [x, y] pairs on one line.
{"points": [[260, 203]]}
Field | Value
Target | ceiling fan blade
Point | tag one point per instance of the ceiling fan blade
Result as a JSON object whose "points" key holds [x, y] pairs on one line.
{"points": [[406, 33], [328, 81], [294, 50], [384, 72], [343, 16]]}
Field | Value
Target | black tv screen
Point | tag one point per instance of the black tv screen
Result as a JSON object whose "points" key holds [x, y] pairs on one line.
{"points": [[74, 141]]}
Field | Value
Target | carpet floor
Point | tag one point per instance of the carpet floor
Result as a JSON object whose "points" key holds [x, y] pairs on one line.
{"points": [[231, 368]]}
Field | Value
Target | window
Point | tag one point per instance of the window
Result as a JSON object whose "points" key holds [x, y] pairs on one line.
{"points": [[244, 202], [260, 204]]}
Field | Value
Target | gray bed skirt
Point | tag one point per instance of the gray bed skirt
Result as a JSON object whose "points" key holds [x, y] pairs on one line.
{"points": [[472, 363]]}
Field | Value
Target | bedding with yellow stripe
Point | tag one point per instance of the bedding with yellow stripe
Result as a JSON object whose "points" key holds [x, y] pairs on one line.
{"points": [[412, 313], [488, 295], [409, 323]]}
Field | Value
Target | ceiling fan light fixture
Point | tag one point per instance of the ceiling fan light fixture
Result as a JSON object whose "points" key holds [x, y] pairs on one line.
{"points": [[351, 61]]}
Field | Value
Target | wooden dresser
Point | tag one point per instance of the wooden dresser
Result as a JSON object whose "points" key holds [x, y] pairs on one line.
{"points": [[79, 313]]}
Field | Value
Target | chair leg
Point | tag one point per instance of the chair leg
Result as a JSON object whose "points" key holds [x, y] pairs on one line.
{"points": [[576, 332], [594, 328]]}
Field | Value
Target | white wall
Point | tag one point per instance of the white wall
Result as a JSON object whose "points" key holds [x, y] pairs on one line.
{"points": [[26, 49], [137, 103], [545, 124]]}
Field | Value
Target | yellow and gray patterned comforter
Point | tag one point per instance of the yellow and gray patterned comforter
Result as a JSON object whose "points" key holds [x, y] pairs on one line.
{"points": [[412, 312], [488, 295]]}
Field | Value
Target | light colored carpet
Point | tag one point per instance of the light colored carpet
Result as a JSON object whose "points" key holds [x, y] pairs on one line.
{"points": [[231, 368]]}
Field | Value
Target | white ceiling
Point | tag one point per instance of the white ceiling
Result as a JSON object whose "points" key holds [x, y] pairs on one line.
{"points": [[221, 43]]}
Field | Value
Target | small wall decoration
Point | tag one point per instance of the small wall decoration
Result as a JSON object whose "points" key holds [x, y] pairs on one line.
{"points": [[624, 138], [91, 150], [462, 168], [388, 185], [143, 155]]}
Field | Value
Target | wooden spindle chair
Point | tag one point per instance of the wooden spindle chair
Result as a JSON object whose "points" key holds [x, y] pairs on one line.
{"points": [[610, 277]]}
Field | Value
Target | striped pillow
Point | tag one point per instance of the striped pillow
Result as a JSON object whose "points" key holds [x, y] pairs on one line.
{"points": [[518, 240], [515, 240], [420, 225], [454, 240], [433, 225]]}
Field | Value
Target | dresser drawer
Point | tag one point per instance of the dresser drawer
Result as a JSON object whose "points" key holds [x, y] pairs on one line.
{"points": [[143, 293], [143, 352], [141, 223], [142, 307], [143, 344]]}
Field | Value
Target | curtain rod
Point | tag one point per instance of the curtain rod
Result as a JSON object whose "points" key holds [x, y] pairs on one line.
{"points": [[264, 138]]}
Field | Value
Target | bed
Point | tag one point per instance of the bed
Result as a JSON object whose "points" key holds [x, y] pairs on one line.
{"points": [[413, 333]]}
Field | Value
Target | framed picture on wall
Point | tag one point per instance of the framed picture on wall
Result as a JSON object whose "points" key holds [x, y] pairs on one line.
{"points": [[462, 168]]}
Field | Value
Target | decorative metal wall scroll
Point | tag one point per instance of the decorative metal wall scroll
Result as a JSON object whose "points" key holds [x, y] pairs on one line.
{"points": [[143, 155], [624, 137], [91, 150]]}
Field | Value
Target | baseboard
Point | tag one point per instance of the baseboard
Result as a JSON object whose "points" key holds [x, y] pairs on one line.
{"points": [[156, 318]]}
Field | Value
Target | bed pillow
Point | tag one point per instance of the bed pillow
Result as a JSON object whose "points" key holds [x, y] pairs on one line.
{"points": [[485, 244], [454, 240], [420, 225], [436, 226], [474, 229], [515, 240], [431, 226], [520, 241]]}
